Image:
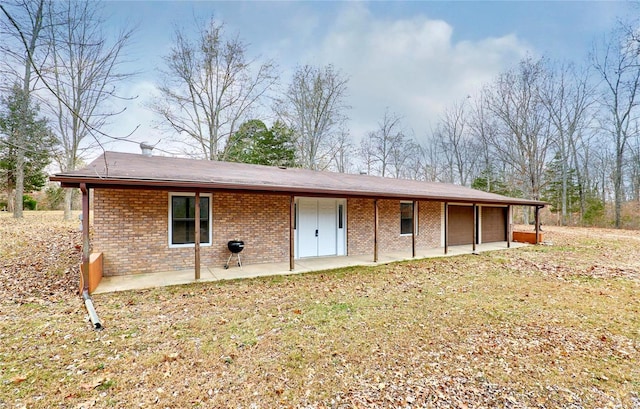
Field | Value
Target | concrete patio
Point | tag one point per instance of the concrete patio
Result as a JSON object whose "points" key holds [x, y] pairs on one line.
{"points": [[209, 273]]}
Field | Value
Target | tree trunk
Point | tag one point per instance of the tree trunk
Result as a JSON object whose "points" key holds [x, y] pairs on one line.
{"points": [[19, 192], [617, 187], [68, 200]]}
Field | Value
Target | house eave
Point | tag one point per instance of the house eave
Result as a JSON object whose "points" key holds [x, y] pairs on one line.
{"points": [[182, 185]]}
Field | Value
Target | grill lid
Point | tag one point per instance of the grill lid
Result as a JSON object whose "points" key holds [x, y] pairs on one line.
{"points": [[235, 246]]}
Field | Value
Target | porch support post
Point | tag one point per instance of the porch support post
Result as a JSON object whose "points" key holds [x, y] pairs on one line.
{"points": [[446, 227], [292, 223], [537, 224], [197, 235], [414, 228], [375, 230], [509, 226], [475, 228], [86, 243]]}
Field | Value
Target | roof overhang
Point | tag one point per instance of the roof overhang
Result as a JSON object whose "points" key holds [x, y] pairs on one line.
{"points": [[131, 171]]}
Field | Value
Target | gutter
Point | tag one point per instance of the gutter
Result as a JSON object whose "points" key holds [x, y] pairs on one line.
{"points": [[88, 302], [181, 185]]}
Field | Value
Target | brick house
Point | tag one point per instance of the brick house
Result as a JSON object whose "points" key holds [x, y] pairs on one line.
{"points": [[145, 216]]}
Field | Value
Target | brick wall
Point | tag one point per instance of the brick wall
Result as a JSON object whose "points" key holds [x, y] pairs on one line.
{"points": [[430, 225], [131, 230], [361, 225], [261, 221]]}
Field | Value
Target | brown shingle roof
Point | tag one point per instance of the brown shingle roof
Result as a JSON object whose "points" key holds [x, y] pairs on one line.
{"points": [[126, 170]]}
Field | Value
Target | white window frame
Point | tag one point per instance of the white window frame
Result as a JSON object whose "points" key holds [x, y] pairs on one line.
{"points": [[170, 221]]}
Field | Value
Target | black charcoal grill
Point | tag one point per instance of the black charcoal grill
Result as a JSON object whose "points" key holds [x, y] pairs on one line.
{"points": [[235, 247]]}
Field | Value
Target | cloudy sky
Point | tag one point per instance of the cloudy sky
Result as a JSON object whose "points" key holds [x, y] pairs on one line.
{"points": [[414, 58]]}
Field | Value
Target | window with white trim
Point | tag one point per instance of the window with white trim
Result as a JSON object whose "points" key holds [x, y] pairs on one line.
{"points": [[182, 219], [406, 217]]}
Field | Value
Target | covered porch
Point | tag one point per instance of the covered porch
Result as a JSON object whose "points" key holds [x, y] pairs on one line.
{"points": [[305, 265]]}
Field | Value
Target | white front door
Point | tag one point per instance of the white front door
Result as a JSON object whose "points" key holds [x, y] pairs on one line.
{"points": [[317, 228], [327, 232], [307, 228]]}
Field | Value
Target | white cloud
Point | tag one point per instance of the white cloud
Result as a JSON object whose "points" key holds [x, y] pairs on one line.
{"points": [[410, 65]]}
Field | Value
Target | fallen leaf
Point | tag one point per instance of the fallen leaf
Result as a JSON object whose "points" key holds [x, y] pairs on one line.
{"points": [[171, 357], [18, 379], [96, 382]]}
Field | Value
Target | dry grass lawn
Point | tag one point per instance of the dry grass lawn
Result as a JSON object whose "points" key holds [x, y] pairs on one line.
{"points": [[545, 326]]}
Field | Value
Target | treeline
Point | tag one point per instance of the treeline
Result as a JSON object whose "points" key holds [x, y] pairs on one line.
{"points": [[562, 132], [59, 79]]}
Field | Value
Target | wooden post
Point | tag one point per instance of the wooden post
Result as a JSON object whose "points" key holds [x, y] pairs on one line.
{"points": [[446, 227], [197, 235], [475, 227], [292, 222], [414, 228], [375, 230], [509, 226], [86, 243], [537, 224]]}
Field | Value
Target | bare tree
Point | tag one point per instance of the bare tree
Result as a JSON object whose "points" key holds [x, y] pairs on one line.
{"points": [[343, 152], [209, 88], [523, 138], [430, 163], [415, 167], [634, 166], [483, 129], [617, 66], [456, 144], [568, 97], [25, 30], [387, 148], [84, 76], [314, 106]]}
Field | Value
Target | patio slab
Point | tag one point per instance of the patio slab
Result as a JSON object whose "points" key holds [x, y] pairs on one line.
{"points": [[210, 273]]}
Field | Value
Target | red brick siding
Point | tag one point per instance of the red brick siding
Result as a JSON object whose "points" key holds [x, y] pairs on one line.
{"points": [[361, 224], [131, 230], [359, 227], [430, 228], [261, 221]]}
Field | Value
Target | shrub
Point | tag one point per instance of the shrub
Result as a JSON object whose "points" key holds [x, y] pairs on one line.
{"points": [[29, 203]]}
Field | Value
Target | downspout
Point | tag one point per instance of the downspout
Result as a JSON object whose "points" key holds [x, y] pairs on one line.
{"points": [[88, 302]]}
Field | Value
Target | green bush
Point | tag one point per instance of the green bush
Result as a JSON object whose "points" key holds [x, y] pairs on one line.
{"points": [[29, 203]]}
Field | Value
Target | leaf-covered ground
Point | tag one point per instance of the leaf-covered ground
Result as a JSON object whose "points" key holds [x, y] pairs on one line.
{"points": [[555, 325]]}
